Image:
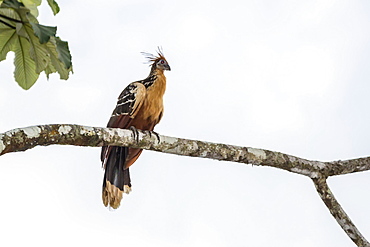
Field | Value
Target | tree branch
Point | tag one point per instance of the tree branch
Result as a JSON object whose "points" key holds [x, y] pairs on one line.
{"points": [[66, 134], [338, 213]]}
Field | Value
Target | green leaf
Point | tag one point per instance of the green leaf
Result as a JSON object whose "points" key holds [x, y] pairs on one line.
{"points": [[50, 69], [7, 42], [6, 21], [54, 6], [10, 15], [57, 64], [25, 68], [43, 32], [20, 30], [11, 4], [32, 6], [30, 2], [37, 51], [7, 31], [36, 47], [64, 54]]}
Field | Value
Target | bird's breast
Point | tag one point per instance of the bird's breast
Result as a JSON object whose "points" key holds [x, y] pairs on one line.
{"points": [[152, 108]]}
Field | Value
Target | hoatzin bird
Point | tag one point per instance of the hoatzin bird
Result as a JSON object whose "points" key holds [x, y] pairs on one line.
{"points": [[140, 105]]}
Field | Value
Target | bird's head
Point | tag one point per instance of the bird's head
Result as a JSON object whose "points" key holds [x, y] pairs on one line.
{"points": [[157, 62]]}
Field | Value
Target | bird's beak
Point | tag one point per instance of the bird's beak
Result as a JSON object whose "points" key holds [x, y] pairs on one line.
{"points": [[167, 67]]}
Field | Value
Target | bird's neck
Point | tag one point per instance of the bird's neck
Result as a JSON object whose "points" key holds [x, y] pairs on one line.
{"points": [[159, 83], [154, 70], [156, 74]]}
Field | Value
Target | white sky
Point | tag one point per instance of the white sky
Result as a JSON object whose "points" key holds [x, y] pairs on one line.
{"points": [[288, 76]]}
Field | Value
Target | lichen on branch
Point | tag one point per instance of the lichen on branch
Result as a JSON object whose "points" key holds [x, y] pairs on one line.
{"points": [[22, 139]]}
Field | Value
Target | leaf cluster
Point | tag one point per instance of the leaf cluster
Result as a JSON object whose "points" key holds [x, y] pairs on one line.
{"points": [[36, 47]]}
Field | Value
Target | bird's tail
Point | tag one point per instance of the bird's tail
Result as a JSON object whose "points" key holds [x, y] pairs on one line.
{"points": [[116, 177]]}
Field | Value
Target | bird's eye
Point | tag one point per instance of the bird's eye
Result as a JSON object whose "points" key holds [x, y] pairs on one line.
{"points": [[162, 62]]}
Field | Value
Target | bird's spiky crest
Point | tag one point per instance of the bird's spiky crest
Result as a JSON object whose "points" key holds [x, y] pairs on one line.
{"points": [[154, 58]]}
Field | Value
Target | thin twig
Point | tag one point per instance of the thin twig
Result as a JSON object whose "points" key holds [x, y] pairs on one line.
{"points": [[7, 24], [10, 19]]}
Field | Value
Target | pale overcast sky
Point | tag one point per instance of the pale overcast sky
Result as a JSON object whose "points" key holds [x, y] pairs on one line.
{"points": [[288, 76]]}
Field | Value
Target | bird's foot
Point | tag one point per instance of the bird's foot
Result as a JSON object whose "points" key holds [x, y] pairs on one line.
{"points": [[157, 135], [150, 133], [135, 133]]}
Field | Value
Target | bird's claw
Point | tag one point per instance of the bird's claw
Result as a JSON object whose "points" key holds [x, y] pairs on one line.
{"points": [[150, 133], [135, 133], [157, 135]]}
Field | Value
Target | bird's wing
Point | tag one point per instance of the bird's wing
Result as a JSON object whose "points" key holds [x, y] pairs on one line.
{"points": [[128, 105]]}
